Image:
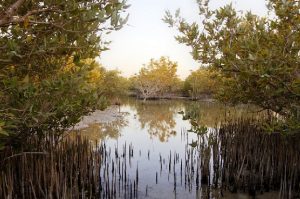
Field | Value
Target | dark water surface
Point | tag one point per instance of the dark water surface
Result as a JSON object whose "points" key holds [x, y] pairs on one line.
{"points": [[149, 153]]}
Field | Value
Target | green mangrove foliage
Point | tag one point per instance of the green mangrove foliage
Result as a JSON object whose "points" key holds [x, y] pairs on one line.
{"points": [[200, 83], [157, 79], [45, 80], [257, 57], [114, 85]]}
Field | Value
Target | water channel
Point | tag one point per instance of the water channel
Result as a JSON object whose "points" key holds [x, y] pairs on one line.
{"points": [[149, 152]]}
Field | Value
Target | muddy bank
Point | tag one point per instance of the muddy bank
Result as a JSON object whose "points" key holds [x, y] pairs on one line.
{"points": [[110, 114]]}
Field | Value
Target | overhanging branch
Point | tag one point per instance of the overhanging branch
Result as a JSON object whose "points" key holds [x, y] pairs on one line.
{"points": [[7, 16]]}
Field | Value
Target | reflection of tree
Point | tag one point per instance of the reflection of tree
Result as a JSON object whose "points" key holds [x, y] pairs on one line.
{"points": [[99, 131], [212, 113], [158, 117]]}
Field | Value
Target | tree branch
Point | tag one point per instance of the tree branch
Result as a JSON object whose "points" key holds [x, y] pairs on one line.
{"points": [[10, 12], [54, 25]]}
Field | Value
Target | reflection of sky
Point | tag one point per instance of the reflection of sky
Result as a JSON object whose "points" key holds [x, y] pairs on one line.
{"points": [[148, 37], [143, 143], [136, 130], [159, 120]]}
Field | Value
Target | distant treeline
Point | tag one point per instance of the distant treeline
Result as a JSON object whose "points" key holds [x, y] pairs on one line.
{"points": [[159, 79]]}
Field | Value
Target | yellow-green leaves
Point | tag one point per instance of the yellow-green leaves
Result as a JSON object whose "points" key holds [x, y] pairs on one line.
{"points": [[157, 78], [200, 83], [2, 131], [256, 57]]}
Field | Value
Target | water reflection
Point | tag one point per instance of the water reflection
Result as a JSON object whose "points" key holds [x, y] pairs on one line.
{"points": [[158, 117], [211, 114], [152, 142], [101, 131]]}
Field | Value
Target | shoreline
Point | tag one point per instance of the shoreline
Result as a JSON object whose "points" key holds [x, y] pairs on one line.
{"points": [[209, 99], [110, 114]]}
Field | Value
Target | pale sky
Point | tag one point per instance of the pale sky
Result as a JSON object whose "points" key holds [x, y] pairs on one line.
{"points": [[146, 36]]}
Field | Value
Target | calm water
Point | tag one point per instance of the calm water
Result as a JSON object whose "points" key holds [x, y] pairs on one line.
{"points": [[151, 142]]}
